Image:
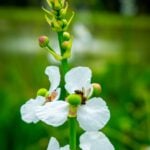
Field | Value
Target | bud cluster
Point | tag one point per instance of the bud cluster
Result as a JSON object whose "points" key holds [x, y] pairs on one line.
{"points": [[66, 45], [56, 17]]}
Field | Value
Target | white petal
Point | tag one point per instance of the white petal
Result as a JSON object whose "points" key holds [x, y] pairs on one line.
{"points": [[28, 109], [93, 115], [53, 144], [77, 79], [88, 91], [53, 113], [54, 76], [65, 148], [95, 141]]}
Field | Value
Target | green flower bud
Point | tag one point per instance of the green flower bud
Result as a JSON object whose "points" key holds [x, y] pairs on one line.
{"points": [[97, 89], [64, 11], [56, 5], [66, 44], [43, 41], [64, 23], [42, 92], [66, 36], [74, 99], [62, 2], [57, 25]]}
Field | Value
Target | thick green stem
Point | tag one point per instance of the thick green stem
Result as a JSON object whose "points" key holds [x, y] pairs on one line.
{"points": [[72, 123], [64, 64]]}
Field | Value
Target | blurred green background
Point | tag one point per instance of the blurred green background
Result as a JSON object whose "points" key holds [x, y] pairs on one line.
{"points": [[111, 37]]}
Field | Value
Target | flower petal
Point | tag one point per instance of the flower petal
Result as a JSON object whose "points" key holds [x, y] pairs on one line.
{"points": [[53, 144], [95, 141], [65, 148], [54, 77], [28, 109], [93, 115], [77, 79], [53, 113]]}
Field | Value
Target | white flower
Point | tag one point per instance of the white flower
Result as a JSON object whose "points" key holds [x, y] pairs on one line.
{"points": [[93, 113], [95, 141], [28, 110], [54, 145]]}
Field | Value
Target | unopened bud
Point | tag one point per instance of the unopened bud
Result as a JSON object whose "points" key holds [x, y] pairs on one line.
{"points": [[97, 89], [62, 13], [66, 36], [43, 41], [74, 99], [56, 5], [65, 22], [42, 92], [66, 45]]}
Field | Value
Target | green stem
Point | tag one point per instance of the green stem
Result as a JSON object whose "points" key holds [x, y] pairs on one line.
{"points": [[72, 123], [64, 65]]}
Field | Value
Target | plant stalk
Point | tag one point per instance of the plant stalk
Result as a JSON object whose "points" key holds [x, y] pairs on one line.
{"points": [[72, 123], [64, 65]]}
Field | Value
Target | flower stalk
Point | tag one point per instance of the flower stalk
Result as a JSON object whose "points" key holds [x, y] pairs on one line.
{"points": [[73, 134], [64, 63]]}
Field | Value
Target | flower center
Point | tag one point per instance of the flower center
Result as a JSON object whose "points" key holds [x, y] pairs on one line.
{"points": [[81, 93], [52, 96]]}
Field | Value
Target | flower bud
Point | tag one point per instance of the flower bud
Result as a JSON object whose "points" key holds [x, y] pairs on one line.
{"points": [[97, 89], [43, 41], [42, 92], [66, 36], [66, 45], [65, 22], [56, 5], [62, 13], [74, 99]]}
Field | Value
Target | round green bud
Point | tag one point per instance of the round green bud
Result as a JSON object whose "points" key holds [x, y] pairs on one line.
{"points": [[62, 13], [66, 36], [43, 41], [64, 22], [42, 92], [97, 89], [65, 44], [74, 99], [57, 6]]}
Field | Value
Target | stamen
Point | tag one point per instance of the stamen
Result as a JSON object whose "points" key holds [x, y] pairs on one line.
{"points": [[52, 96], [82, 96]]}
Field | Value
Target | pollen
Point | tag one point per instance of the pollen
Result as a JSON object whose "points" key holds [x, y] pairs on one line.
{"points": [[51, 97]]}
